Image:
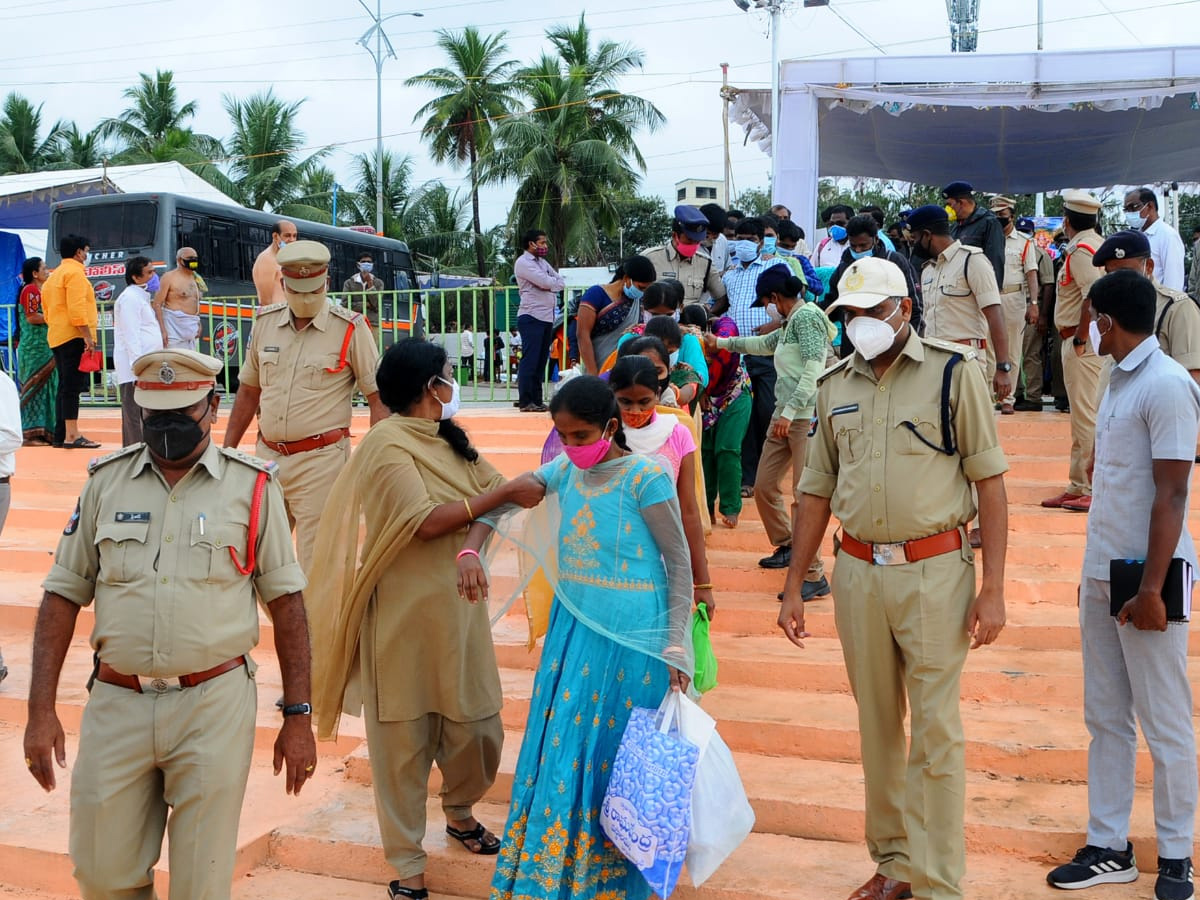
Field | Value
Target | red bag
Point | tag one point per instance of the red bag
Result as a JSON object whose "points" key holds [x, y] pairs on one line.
{"points": [[91, 361]]}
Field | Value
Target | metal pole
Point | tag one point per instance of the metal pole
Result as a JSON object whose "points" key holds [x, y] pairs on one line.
{"points": [[1040, 17], [333, 217], [727, 200], [379, 117], [776, 16]]}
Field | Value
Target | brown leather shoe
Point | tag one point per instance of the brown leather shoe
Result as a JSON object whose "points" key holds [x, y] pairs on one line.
{"points": [[881, 887], [1079, 504], [1057, 502]]}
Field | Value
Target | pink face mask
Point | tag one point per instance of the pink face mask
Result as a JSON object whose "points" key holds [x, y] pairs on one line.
{"points": [[585, 456]]}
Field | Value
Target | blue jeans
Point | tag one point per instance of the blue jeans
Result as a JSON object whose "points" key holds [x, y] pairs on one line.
{"points": [[536, 337]]}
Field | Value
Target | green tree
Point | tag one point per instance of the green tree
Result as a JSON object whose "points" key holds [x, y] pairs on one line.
{"points": [[573, 153], [23, 148], [74, 150], [437, 223], [397, 190], [645, 223], [753, 201], [153, 128], [313, 197], [475, 93], [266, 168]]}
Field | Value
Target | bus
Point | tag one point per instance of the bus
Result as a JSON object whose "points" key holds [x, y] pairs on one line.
{"points": [[228, 239]]}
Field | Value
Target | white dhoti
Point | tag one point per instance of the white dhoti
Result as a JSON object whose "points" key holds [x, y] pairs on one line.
{"points": [[183, 329]]}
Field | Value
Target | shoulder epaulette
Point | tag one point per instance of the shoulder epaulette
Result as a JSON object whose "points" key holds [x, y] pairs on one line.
{"points": [[262, 465], [116, 454], [1170, 292], [835, 368], [964, 350], [274, 307], [345, 314]]}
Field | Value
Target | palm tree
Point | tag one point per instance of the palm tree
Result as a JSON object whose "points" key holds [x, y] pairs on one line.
{"points": [[397, 190], [475, 94], [574, 154], [313, 199], [79, 151], [154, 127], [265, 165], [438, 224], [21, 147]]}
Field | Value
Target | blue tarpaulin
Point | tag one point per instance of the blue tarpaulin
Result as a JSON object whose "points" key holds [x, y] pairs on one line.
{"points": [[12, 256]]}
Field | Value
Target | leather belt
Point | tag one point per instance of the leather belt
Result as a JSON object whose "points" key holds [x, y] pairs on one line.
{"points": [[5, 479], [902, 552], [977, 343], [316, 442], [1068, 332], [143, 684], [1012, 290]]}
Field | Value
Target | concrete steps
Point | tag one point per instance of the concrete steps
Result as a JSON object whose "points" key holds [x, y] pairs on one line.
{"points": [[787, 714]]}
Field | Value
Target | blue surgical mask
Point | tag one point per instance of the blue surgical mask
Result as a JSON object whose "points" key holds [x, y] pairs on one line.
{"points": [[674, 358], [1134, 220], [784, 251], [366, 267], [745, 251], [854, 254], [153, 284], [837, 232], [768, 247], [633, 292]]}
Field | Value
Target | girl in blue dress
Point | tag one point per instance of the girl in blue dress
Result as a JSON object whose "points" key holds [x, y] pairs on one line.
{"points": [[618, 638]]}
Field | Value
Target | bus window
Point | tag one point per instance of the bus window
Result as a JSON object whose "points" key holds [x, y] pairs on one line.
{"points": [[254, 240], [192, 231], [222, 262], [118, 226]]}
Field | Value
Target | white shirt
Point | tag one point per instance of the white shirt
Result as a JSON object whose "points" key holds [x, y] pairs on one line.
{"points": [[829, 252], [10, 425], [1166, 249], [135, 330], [719, 255]]}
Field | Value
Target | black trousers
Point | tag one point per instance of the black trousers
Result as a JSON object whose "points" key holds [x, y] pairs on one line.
{"points": [[761, 370], [536, 337], [71, 383]]}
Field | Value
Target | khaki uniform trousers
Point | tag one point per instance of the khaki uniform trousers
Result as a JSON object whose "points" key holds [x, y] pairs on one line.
{"points": [[1082, 377], [778, 458], [142, 754], [402, 755], [306, 479], [1013, 306], [903, 635], [1032, 347]]}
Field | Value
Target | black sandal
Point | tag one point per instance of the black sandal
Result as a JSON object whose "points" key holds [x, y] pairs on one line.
{"points": [[395, 891], [476, 834]]}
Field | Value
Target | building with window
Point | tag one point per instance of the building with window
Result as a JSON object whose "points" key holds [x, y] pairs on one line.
{"points": [[698, 191]]}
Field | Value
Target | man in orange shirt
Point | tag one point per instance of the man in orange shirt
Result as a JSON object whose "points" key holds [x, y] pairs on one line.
{"points": [[69, 305]]}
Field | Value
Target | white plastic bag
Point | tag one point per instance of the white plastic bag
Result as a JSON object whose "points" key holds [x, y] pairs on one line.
{"points": [[721, 815]]}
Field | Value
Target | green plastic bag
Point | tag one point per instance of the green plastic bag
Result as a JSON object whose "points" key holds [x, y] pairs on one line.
{"points": [[705, 678]]}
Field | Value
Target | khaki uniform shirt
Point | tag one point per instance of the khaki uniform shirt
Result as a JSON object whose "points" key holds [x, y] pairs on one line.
{"points": [[1016, 246], [886, 484], [1075, 278], [697, 275], [300, 396], [1177, 326], [169, 599], [957, 287], [1045, 266]]}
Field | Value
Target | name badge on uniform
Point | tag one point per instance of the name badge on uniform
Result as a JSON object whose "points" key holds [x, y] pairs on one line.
{"points": [[842, 410], [133, 517], [270, 349]]}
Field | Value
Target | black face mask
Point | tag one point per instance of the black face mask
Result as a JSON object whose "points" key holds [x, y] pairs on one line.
{"points": [[172, 435], [663, 384], [1004, 222]]}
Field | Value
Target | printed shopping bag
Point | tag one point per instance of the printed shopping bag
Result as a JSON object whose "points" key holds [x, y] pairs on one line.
{"points": [[647, 809]]}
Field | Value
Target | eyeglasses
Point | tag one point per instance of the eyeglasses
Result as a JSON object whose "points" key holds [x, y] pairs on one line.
{"points": [[1133, 207]]}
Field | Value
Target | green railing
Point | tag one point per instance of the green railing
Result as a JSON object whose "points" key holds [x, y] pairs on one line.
{"points": [[488, 374]]}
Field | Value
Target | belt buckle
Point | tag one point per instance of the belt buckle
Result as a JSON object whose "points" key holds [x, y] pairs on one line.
{"points": [[888, 554], [155, 685]]}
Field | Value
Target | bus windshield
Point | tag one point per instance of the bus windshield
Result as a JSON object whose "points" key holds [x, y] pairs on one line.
{"points": [[117, 226]]}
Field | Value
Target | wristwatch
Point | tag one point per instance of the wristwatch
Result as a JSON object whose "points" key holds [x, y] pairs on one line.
{"points": [[1077, 342], [298, 709], [1005, 367]]}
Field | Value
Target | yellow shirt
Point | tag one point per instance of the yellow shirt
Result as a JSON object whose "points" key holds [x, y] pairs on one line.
{"points": [[885, 484], [68, 301], [1177, 326], [1075, 278], [300, 395], [1016, 246], [957, 287], [169, 599]]}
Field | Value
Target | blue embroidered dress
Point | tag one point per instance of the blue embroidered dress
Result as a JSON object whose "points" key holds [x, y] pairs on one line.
{"points": [[624, 583]]}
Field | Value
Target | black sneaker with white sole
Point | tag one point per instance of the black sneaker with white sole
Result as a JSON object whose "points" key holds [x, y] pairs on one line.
{"points": [[1095, 865], [1174, 879]]}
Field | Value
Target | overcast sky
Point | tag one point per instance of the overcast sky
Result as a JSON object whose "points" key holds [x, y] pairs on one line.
{"points": [[77, 56]]}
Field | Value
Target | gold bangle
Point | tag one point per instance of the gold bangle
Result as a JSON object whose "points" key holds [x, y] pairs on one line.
{"points": [[702, 587], [470, 515]]}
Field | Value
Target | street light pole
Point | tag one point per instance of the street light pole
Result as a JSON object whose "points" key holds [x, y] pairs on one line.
{"points": [[377, 55]]}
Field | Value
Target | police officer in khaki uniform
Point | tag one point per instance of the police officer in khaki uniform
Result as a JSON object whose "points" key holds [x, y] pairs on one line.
{"points": [[962, 301], [1037, 328], [1020, 287], [684, 258], [173, 539], [305, 359], [1176, 315], [896, 466], [1081, 366]]}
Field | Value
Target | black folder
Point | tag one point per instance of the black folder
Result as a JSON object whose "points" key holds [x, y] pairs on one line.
{"points": [[1125, 577]]}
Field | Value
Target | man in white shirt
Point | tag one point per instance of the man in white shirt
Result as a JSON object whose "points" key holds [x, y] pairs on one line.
{"points": [[1166, 246], [830, 248], [136, 332], [10, 440]]}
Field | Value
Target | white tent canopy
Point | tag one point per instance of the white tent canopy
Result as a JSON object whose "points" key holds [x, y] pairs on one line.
{"points": [[1012, 123]]}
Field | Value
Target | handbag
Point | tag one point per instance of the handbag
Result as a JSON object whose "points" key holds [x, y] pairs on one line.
{"points": [[91, 361]]}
